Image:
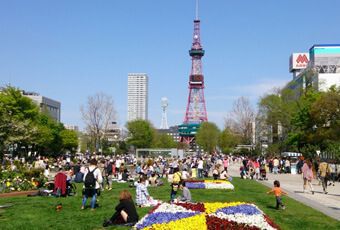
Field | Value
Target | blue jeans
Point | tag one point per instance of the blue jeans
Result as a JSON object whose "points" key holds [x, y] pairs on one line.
{"points": [[275, 170], [200, 173], [93, 200]]}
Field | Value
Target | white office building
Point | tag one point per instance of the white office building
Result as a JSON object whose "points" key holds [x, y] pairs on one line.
{"points": [[137, 96]]}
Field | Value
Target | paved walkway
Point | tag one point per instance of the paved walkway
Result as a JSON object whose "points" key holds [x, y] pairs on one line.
{"points": [[328, 204]]}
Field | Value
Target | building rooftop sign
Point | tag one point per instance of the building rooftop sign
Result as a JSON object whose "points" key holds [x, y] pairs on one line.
{"points": [[298, 61]]}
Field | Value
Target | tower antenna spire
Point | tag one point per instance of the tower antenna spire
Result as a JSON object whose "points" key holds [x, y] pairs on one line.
{"points": [[196, 18]]}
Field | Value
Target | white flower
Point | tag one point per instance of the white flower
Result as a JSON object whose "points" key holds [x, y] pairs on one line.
{"points": [[165, 207], [251, 220], [219, 186]]}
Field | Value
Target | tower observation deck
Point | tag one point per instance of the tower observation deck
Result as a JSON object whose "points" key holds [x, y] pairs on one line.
{"points": [[196, 112]]}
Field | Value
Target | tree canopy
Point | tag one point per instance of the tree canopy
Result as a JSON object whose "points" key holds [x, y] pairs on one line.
{"points": [[208, 136], [23, 127], [141, 133], [308, 123]]}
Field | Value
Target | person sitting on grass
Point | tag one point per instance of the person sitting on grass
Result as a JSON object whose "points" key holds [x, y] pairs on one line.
{"points": [[224, 175], [153, 180], [186, 194], [215, 173], [278, 193], [126, 213], [143, 199]]}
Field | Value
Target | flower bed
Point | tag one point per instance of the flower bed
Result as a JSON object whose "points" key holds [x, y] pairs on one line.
{"points": [[24, 180], [205, 216], [209, 184]]}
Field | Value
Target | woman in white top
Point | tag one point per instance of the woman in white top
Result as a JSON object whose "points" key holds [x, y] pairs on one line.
{"points": [[200, 168], [185, 174]]}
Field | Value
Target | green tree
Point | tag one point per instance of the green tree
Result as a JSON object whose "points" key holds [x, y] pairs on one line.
{"points": [[228, 140], [277, 109], [48, 140], [163, 140], [141, 133], [17, 119], [325, 114], [23, 126], [69, 139], [207, 136], [303, 125]]}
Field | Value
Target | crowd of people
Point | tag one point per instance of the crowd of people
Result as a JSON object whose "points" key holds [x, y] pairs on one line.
{"points": [[97, 173]]}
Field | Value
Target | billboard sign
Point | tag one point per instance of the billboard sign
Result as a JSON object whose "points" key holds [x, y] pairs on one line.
{"points": [[298, 61]]}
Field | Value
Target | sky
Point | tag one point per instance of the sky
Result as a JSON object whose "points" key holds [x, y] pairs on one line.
{"points": [[69, 50]]}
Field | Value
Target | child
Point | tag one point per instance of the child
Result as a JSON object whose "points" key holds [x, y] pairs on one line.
{"points": [[278, 192], [186, 197]]}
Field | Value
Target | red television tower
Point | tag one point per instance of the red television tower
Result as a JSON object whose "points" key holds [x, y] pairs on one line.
{"points": [[196, 112]]}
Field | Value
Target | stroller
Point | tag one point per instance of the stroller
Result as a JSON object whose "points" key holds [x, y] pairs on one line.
{"points": [[263, 173], [59, 187], [63, 187], [243, 172]]}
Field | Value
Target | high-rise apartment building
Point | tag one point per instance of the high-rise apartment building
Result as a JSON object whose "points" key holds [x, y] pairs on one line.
{"points": [[137, 96]]}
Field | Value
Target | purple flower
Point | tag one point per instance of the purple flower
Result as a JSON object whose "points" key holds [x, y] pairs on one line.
{"points": [[163, 217], [195, 185], [243, 209]]}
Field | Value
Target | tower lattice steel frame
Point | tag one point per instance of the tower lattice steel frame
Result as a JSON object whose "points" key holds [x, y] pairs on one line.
{"points": [[196, 112]]}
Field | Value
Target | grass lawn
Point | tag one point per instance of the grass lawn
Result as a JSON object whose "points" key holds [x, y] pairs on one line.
{"points": [[39, 212]]}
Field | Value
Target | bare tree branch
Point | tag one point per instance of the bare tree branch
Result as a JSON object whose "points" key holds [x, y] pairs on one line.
{"points": [[240, 119], [97, 114]]}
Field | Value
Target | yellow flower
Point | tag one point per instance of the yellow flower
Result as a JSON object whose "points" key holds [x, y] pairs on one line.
{"points": [[216, 181], [213, 207], [8, 184], [196, 222]]}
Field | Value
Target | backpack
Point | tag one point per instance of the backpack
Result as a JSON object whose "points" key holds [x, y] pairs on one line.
{"points": [[90, 180], [109, 169]]}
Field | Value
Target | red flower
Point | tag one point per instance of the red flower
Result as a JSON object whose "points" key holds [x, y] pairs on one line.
{"points": [[215, 223], [193, 180], [199, 207], [270, 222], [154, 208]]}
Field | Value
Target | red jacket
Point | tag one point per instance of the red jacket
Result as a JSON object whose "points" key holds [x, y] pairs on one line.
{"points": [[60, 182]]}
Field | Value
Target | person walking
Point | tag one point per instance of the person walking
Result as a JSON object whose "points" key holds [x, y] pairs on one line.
{"points": [[175, 184], [287, 166], [92, 180], [324, 172], [200, 168], [307, 173], [226, 163], [333, 173], [108, 173], [276, 164]]}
